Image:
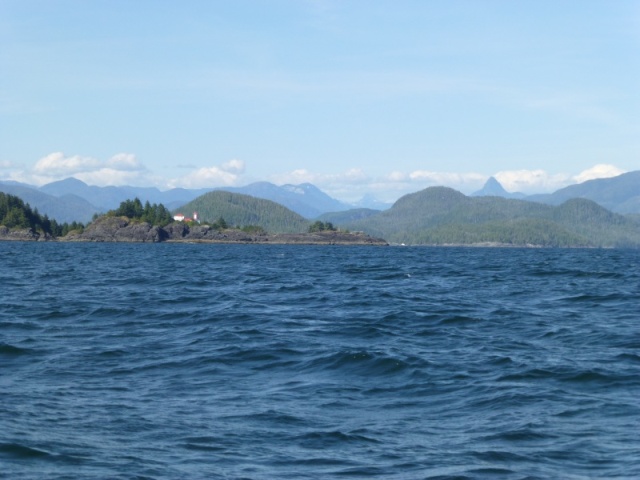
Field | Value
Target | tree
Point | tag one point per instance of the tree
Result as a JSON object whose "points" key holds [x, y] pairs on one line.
{"points": [[220, 224], [150, 213], [319, 226]]}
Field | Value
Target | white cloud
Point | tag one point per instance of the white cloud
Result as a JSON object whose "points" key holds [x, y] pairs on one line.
{"points": [[449, 179], [120, 169], [226, 174], [392, 186], [350, 185], [541, 181], [233, 166], [598, 171], [348, 177], [56, 165], [532, 181], [398, 176], [353, 184], [124, 162]]}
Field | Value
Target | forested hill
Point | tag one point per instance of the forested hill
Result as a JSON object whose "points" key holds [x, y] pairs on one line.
{"points": [[440, 215], [15, 214], [66, 208], [243, 210]]}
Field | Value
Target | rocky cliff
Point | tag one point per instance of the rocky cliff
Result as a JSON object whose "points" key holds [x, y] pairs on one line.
{"points": [[118, 229]]}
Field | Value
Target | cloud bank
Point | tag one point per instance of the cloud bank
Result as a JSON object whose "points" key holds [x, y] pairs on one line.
{"points": [[351, 185], [540, 181], [227, 174], [120, 169], [598, 171]]}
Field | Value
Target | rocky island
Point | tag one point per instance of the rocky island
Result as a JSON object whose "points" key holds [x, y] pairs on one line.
{"points": [[123, 229], [135, 222]]}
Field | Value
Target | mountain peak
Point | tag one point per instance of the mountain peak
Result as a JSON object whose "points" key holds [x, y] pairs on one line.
{"points": [[492, 188], [67, 182]]}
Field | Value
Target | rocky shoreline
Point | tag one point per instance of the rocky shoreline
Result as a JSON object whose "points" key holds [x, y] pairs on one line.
{"points": [[122, 229], [22, 235]]}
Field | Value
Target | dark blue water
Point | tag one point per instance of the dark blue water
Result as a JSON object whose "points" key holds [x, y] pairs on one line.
{"points": [[266, 362]]}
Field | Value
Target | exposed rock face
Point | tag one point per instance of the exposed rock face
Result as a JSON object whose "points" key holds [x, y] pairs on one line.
{"points": [[121, 229], [204, 233], [24, 234], [176, 230], [118, 229]]}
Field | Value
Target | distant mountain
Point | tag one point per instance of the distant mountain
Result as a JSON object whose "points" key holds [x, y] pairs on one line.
{"points": [[440, 215], [619, 194], [16, 215], [304, 199], [493, 188], [13, 182], [348, 216], [109, 198], [73, 200], [66, 208], [67, 186], [104, 198], [371, 202], [244, 210]]}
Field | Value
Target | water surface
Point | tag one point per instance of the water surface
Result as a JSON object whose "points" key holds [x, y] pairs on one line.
{"points": [[262, 362]]}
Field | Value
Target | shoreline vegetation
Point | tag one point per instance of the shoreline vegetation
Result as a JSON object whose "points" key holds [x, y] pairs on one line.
{"points": [[134, 222], [436, 216], [123, 229]]}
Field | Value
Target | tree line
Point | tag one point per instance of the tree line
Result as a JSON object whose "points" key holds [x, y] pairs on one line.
{"points": [[154, 214], [15, 213]]}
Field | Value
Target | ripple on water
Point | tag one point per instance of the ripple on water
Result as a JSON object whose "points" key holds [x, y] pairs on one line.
{"points": [[226, 361]]}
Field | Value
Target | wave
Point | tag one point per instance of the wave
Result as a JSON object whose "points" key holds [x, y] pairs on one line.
{"points": [[362, 363], [12, 351], [18, 451]]}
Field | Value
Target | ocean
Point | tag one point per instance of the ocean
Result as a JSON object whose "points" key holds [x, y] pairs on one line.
{"points": [[183, 361]]}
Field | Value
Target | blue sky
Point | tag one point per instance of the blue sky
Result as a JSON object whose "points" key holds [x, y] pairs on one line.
{"points": [[357, 97]]}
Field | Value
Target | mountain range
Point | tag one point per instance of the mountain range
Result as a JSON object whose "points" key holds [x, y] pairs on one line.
{"points": [[619, 194], [443, 216], [304, 199], [73, 200]]}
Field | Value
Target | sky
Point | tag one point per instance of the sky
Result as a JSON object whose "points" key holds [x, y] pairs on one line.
{"points": [[374, 97]]}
